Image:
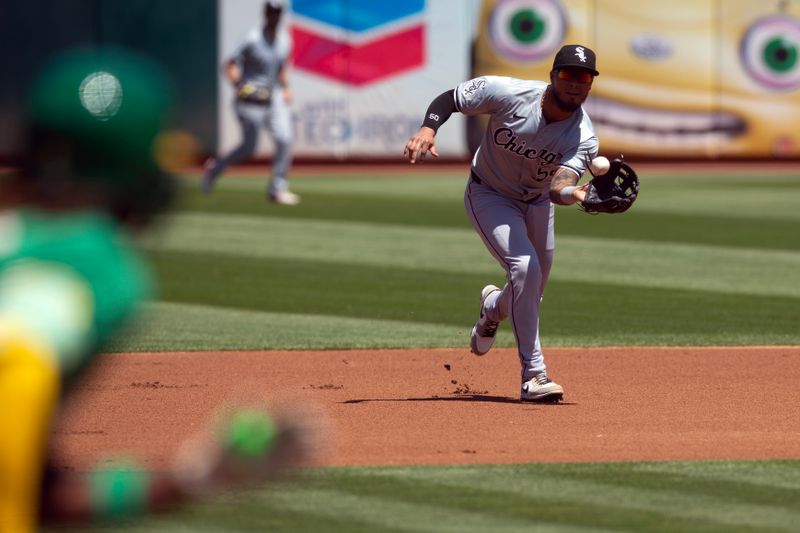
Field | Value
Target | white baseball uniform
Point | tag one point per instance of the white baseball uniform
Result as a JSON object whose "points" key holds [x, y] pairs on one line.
{"points": [[507, 197]]}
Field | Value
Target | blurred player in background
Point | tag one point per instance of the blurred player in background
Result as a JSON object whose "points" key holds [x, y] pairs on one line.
{"points": [[258, 71], [94, 169]]}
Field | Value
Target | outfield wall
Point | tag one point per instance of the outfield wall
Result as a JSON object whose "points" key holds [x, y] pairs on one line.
{"points": [[686, 79]]}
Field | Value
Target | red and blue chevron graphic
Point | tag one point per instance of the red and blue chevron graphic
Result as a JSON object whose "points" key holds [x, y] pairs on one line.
{"points": [[358, 41]]}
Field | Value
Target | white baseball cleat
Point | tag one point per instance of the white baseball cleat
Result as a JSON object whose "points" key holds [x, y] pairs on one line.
{"points": [[484, 331], [540, 389], [284, 198]]}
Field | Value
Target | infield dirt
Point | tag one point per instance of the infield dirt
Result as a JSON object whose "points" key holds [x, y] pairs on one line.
{"points": [[388, 407]]}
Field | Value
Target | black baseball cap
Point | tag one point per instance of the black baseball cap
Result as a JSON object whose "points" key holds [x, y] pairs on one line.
{"points": [[274, 5], [575, 55]]}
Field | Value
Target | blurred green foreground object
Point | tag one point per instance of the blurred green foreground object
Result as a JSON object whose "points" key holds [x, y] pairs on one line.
{"points": [[250, 432], [95, 118]]}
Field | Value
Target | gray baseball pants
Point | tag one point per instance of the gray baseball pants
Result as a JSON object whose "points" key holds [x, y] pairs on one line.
{"points": [[520, 237], [275, 118]]}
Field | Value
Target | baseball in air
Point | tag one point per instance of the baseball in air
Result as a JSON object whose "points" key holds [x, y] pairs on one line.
{"points": [[600, 165]]}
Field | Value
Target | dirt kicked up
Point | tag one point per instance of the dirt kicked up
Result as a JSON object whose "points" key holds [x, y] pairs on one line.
{"points": [[445, 406]]}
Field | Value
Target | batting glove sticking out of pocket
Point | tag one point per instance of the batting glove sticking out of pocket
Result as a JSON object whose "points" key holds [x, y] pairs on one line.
{"points": [[249, 92]]}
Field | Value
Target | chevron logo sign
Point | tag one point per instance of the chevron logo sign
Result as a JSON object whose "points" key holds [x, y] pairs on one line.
{"points": [[358, 42]]}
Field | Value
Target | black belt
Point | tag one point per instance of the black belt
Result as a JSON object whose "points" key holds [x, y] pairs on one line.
{"points": [[474, 177]]}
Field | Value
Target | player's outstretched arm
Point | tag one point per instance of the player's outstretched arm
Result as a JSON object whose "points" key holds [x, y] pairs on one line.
{"points": [[564, 189], [421, 143], [437, 114]]}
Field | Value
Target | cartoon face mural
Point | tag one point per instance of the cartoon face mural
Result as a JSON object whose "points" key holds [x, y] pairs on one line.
{"points": [[686, 78]]}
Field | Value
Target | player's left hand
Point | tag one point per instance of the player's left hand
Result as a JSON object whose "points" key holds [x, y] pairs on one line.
{"points": [[421, 143], [288, 95], [580, 191], [612, 192]]}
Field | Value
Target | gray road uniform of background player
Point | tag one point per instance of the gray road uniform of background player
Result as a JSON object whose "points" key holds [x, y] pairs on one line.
{"points": [[260, 62], [507, 195]]}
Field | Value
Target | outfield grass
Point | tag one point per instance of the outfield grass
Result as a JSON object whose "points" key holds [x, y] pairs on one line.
{"points": [[390, 261], [660, 497]]}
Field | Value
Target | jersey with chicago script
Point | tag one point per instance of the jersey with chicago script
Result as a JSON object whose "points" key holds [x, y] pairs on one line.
{"points": [[520, 150]]}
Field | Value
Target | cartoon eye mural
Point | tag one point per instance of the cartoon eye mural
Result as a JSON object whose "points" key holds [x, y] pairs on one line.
{"points": [[527, 30], [770, 52]]}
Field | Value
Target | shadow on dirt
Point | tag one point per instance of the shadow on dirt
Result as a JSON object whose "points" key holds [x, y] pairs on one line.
{"points": [[459, 398]]}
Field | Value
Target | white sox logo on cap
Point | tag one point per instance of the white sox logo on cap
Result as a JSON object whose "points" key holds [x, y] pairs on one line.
{"points": [[575, 55]]}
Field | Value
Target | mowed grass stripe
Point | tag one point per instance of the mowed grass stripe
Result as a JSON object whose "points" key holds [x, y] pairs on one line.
{"points": [[165, 326], [522, 511], [734, 231], [744, 221], [610, 261], [392, 510], [762, 233], [168, 326], [714, 193], [391, 184], [334, 510], [706, 479], [772, 475], [688, 496], [608, 314], [249, 512], [622, 492]]}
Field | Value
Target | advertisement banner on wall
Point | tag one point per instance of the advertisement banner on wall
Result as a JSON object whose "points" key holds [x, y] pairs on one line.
{"points": [[362, 72], [684, 79]]}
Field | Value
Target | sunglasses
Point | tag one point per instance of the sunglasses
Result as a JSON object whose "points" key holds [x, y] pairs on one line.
{"points": [[575, 75]]}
